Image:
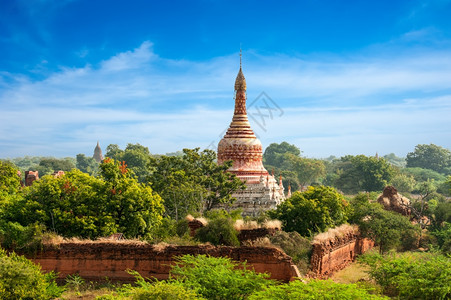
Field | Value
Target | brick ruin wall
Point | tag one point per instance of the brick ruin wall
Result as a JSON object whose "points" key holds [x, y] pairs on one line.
{"points": [[97, 261], [331, 256]]}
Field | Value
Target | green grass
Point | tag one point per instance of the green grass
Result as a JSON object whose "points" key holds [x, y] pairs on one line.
{"points": [[354, 272]]}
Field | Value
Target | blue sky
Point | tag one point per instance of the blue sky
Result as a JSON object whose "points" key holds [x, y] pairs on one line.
{"points": [[337, 77]]}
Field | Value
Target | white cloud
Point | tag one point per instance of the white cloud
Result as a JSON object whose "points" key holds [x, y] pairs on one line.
{"points": [[332, 105]]}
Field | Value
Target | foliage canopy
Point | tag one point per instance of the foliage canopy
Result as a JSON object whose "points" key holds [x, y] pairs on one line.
{"points": [[314, 210]]}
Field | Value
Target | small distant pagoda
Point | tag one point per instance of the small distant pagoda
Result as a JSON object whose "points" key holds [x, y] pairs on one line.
{"points": [[240, 145], [98, 156]]}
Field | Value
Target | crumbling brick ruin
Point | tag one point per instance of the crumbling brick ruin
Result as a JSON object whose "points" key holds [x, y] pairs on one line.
{"points": [[58, 173], [335, 249], [392, 200], [31, 176], [100, 260]]}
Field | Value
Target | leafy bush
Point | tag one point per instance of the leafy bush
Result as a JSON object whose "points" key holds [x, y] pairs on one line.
{"points": [[387, 228], [22, 279], [165, 290], [14, 236], [218, 277], [153, 290], [411, 275], [296, 246], [312, 211], [79, 205], [314, 289], [219, 230], [443, 236]]}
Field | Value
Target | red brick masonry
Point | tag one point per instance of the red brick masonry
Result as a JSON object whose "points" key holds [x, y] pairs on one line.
{"points": [[96, 261], [330, 257]]}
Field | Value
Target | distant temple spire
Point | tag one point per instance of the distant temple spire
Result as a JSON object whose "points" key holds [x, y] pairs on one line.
{"points": [[98, 156]]}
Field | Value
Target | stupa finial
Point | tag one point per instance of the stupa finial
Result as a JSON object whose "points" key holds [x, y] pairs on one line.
{"points": [[240, 81], [241, 55]]}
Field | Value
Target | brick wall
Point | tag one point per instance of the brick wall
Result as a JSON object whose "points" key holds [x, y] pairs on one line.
{"points": [[96, 261], [332, 256]]}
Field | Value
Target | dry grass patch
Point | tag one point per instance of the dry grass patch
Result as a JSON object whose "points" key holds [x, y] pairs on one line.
{"points": [[333, 233], [273, 224], [242, 225], [354, 272]]}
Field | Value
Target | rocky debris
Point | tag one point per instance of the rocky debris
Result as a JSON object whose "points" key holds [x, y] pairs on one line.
{"points": [[194, 225], [31, 176], [392, 200]]}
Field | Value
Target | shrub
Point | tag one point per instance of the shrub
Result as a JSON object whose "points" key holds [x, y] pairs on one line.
{"points": [[22, 279], [314, 289], [314, 210], [296, 246], [387, 229], [443, 236], [152, 290], [411, 275], [218, 277], [172, 290], [219, 230]]}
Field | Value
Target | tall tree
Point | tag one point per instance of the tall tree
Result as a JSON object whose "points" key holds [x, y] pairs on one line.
{"points": [[193, 182], [136, 156], [55, 164], [274, 153], [307, 170], [77, 204], [362, 173], [9, 179], [297, 171], [87, 164], [430, 157]]}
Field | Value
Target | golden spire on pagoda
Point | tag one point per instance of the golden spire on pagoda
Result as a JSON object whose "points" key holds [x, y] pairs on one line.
{"points": [[240, 82]]}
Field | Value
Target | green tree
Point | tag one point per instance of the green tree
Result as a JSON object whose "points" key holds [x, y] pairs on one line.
{"points": [[193, 182], [362, 173], [429, 157], [9, 180], [421, 174], [404, 183], [297, 171], [274, 153], [394, 160], [55, 164], [87, 164], [136, 156], [182, 192], [81, 205], [307, 170], [314, 210], [114, 151], [290, 178], [386, 228]]}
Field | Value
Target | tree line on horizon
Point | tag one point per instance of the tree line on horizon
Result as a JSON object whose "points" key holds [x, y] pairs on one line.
{"points": [[423, 170]]}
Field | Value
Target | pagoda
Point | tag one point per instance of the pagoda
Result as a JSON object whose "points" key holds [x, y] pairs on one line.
{"points": [[241, 145], [98, 156]]}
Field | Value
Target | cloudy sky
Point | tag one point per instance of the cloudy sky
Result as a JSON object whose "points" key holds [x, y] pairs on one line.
{"points": [[332, 77]]}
